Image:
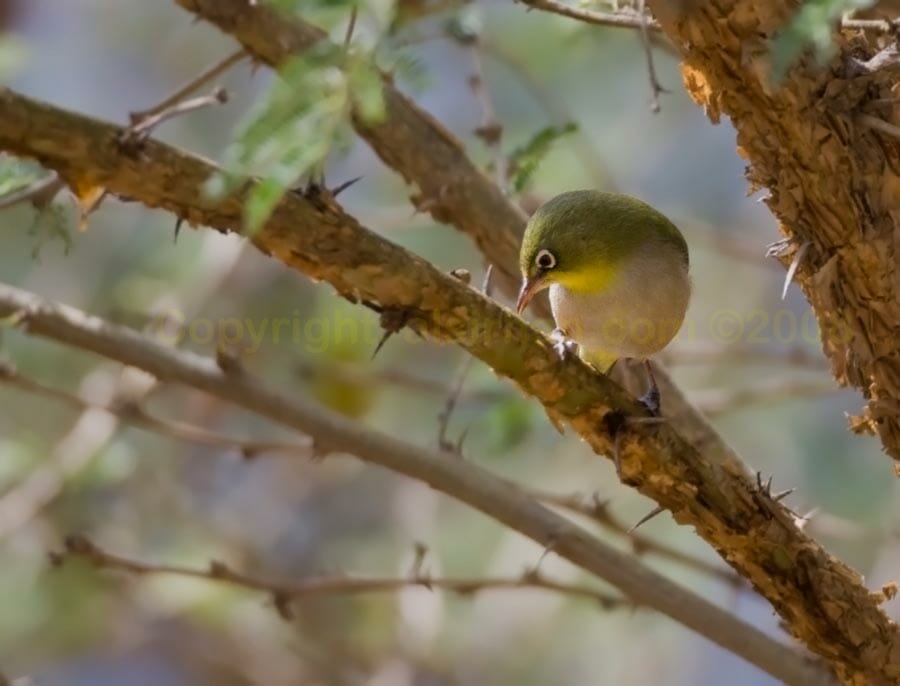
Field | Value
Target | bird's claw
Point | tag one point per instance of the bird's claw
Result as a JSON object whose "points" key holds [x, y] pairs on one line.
{"points": [[650, 400], [564, 346]]}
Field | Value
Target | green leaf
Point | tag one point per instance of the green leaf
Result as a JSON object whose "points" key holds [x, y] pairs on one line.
{"points": [[366, 90], [525, 160], [261, 201], [51, 223], [16, 173], [289, 133], [811, 27]]}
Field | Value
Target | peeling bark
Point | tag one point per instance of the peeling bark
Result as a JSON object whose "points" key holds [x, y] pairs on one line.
{"points": [[833, 180]]}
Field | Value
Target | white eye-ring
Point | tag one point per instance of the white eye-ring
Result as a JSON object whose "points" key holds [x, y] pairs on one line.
{"points": [[545, 260]]}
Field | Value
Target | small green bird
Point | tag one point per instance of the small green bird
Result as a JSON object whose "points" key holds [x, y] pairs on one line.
{"points": [[617, 271]]}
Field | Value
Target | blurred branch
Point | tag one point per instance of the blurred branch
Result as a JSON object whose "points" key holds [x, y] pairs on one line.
{"points": [[346, 373], [597, 510], [462, 480], [717, 354], [283, 593], [719, 401], [131, 412]]}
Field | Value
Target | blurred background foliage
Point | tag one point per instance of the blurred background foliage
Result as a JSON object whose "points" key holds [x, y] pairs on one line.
{"points": [[572, 104]]}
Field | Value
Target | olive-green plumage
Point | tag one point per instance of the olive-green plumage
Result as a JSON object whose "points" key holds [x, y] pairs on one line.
{"points": [[617, 271]]}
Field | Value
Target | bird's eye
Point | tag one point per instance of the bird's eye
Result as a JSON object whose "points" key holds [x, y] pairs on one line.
{"points": [[545, 260]]}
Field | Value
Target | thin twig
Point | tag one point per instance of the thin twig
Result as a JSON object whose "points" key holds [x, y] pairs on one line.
{"points": [[597, 510], [629, 20], [656, 87], [490, 130], [146, 126], [351, 26], [457, 387], [462, 480], [283, 592], [132, 413], [191, 86]]}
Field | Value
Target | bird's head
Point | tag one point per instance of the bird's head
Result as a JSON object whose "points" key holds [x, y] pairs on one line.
{"points": [[579, 240]]}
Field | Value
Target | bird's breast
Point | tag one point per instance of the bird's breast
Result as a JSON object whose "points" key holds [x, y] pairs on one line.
{"points": [[637, 314]]}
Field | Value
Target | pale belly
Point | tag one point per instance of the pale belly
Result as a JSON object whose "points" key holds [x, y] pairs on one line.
{"points": [[636, 316]]}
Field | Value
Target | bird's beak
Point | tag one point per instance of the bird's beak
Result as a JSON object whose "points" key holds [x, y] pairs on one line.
{"points": [[529, 288]]}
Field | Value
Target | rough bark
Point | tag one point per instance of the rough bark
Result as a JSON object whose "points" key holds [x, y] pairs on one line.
{"points": [[822, 601], [833, 180]]}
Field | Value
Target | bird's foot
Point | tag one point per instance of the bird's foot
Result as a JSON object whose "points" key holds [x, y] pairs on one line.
{"points": [[650, 400], [564, 346]]}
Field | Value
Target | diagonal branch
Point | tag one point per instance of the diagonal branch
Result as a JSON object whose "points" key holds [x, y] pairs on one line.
{"points": [[462, 480], [312, 234]]}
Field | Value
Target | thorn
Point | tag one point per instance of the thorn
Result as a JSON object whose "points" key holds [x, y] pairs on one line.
{"points": [[392, 320], [765, 489], [778, 248], [784, 494], [462, 274], [319, 450], [178, 222], [218, 570], [613, 421], [282, 603], [228, 360], [340, 188], [76, 544], [795, 265], [416, 569], [658, 510]]}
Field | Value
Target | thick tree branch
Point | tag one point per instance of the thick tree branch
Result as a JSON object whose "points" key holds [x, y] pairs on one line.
{"points": [[462, 480], [832, 183], [822, 601]]}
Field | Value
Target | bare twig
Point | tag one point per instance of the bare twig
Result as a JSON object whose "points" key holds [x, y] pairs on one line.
{"points": [[629, 20], [132, 413], [191, 86], [351, 26], [283, 592], [597, 510], [490, 130], [146, 126], [462, 480], [456, 388], [655, 87]]}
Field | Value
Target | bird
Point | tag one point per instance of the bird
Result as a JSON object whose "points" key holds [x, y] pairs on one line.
{"points": [[618, 274]]}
